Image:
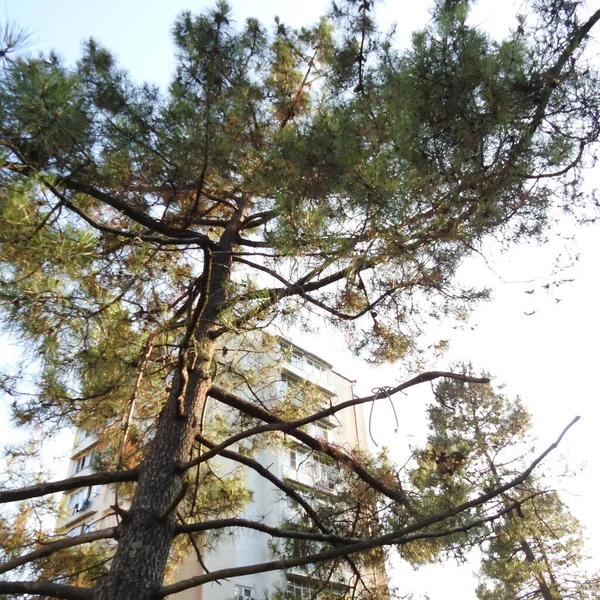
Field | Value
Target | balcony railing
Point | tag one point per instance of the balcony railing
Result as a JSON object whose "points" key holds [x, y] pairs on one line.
{"points": [[83, 506]]}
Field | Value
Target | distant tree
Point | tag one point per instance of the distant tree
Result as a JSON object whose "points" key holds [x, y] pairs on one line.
{"points": [[477, 440], [149, 237]]}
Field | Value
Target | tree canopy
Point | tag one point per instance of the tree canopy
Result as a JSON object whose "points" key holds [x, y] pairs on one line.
{"points": [[151, 238], [478, 438]]}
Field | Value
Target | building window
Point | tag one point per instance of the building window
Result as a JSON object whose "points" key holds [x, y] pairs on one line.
{"points": [[311, 469], [312, 367], [300, 460], [317, 370], [81, 463], [83, 434], [297, 360], [299, 588], [301, 391], [324, 476], [243, 592], [86, 527], [321, 432], [81, 499]]}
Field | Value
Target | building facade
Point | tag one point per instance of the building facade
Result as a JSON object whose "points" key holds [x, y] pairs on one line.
{"points": [[292, 463]]}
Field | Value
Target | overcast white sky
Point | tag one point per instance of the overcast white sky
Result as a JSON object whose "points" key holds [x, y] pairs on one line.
{"points": [[549, 358]]}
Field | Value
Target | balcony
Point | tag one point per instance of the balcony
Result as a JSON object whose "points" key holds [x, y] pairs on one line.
{"points": [[309, 470], [80, 505], [84, 439], [308, 368]]}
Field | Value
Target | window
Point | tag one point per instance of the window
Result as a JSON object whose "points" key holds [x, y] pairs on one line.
{"points": [[301, 391], [297, 360], [83, 434], [321, 432], [311, 469], [85, 527], [299, 588], [324, 476], [314, 369], [243, 592], [317, 370], [81, 499], [81, 463], [300, 460]]}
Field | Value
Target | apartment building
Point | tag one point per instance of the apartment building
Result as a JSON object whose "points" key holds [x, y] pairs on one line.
{"points": [[293, 463]]}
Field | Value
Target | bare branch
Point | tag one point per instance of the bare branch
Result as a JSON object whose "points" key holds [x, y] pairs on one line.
{"points": [[274, 423], [274, 295], [135, 215], [195, 546], [289, 491], [175, 502], [394, 537], [272, 531], [300, 292], [51, 590], [194, 239], [52, 547], [266, 474], [72, 483], [258, 219]]}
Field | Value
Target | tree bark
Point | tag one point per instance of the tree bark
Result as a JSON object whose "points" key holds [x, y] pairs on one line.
{"points": [[147, 532]]}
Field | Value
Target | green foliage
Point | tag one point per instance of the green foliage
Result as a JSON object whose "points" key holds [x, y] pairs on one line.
{"points": [[478, 439], [148, 236]]}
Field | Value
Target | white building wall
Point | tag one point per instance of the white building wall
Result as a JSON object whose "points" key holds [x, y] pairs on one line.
{"points": [[243, 547]]}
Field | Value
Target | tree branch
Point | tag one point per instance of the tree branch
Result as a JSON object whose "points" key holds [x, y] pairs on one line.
{"points": [[72, 483], [52, 547], [308, 298], [273, 423], [289, 491], [175, 502], [274, 295], [135, 215], [399, 536], [51, 590], [196, 239], [266, 474], [551, 76], [258, 219], [272, 531]]}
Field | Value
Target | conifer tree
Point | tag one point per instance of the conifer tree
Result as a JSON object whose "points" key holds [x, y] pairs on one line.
{"points": [[150, 238], [477, 440]]}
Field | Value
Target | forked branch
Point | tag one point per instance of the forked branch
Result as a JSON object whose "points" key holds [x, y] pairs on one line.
{"points": [[403, 535]]}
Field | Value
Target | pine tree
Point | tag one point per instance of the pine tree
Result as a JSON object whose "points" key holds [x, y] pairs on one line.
{"points": [[477, 441], [149, 238]]}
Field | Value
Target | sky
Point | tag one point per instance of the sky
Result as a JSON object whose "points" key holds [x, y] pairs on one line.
{"points": [[543, 345]]}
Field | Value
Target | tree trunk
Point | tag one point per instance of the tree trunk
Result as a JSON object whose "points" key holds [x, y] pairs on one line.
{"points": [[146, 533]]}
